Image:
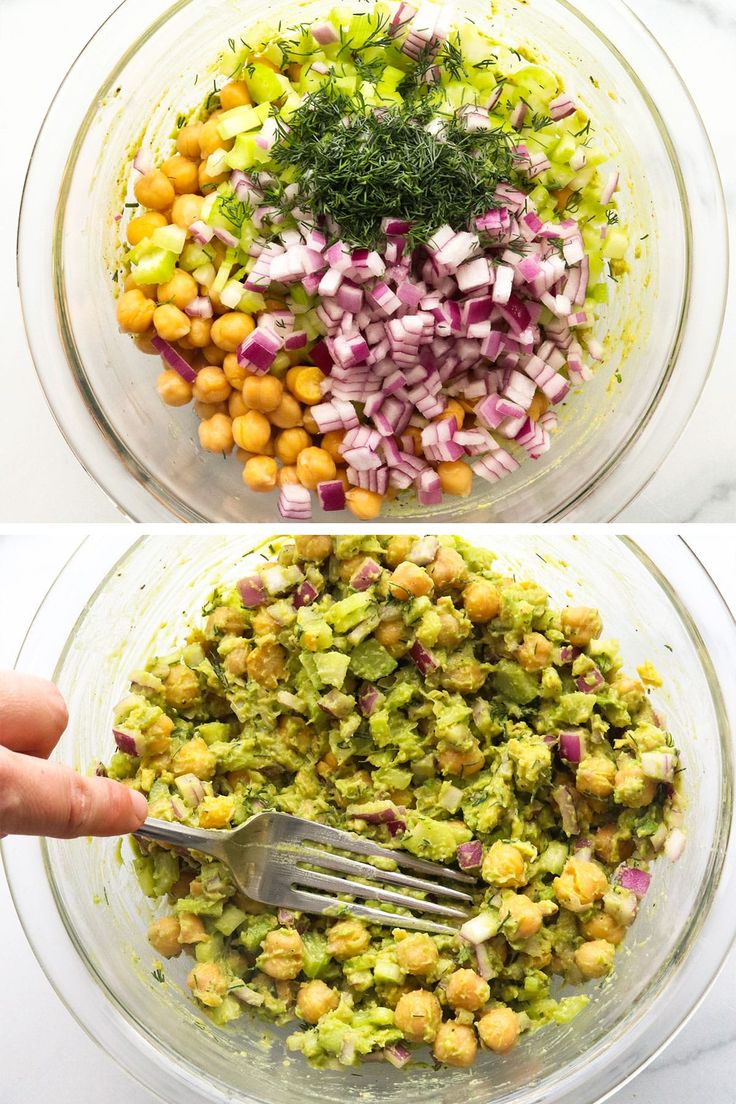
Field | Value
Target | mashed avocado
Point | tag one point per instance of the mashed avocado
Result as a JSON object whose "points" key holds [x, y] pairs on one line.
{"points": [[435, 705]]}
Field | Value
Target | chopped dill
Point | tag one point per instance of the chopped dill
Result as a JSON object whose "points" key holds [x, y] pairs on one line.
{"points": [[180, 121], [234, 211], [539, 122], [584, 132], [612, 216], [159, 975]]}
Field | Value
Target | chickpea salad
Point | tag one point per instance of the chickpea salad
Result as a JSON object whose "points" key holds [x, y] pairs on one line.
{"points": [[404, 689], [375, 258]]}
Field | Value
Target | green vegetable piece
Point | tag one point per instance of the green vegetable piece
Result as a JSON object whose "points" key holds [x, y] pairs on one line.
{"points": [[240, 119], [257, 929], [232, 917], [326, 668], [316, 957], [349, 612], [246, 154], [512, 681], [371, 661], [155, 267], [265, 85]]}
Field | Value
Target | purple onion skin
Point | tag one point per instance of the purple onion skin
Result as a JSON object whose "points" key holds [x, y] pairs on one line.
{"points": [[470, 855], [126, 742], [424, 661], [368, 700], [304, 595], [630, 877], [252, 593]]}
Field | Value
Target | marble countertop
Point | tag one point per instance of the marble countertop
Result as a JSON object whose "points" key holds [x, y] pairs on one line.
{"points": [[40, 1043], [45, 481]]}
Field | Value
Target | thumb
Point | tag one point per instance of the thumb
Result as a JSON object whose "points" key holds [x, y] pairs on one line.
{"points": [[47, 799]]}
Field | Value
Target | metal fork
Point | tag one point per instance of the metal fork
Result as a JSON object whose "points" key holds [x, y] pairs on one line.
{"points": [[280, 860]]}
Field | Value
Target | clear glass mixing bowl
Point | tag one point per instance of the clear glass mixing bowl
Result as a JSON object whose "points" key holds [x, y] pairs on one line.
{"points": [[86, 919], [134, 78]]}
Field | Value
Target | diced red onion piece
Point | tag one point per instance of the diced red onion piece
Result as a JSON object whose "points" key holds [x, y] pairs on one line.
{"points": [[174, 359]]}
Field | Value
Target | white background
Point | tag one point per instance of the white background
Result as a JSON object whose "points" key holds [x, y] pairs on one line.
{"points": [[38, 41], [45, 1056]]}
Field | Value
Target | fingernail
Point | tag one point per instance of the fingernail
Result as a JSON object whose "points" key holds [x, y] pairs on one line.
{"points": [[140, 805]]}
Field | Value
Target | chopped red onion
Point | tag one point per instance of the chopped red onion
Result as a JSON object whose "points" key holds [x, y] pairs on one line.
{"points": [[201, 232], [252, 591], [129, 742], [591, 681], [324, 33], [369, 699], [295, 502], [331, 494], [397, 1054], [225, 236], [630, 877], [304, 595], [367, 574], [470, 855], [572, 745], [143, 161], [174, 359], [423, 659]]}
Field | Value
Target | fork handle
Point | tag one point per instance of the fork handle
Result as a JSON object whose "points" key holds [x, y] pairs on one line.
{"points": [[209, 841]]}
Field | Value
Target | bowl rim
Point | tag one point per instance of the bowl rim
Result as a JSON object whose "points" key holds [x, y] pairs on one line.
{"points": [[102, 450], [693, 970]]}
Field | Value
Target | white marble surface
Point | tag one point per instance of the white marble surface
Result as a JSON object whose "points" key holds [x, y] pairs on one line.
{"points": [[46, 483], [42, 1046]]}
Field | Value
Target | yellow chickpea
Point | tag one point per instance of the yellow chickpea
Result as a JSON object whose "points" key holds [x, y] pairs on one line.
{"points": [[305, 384], [192, 929], [314, 548], [154, 190], [252, 431], [172, 389], [216, 812], [481, 601], [170, 323], [418, 1016], [216, 433], [467, 990], [287, 414], [186, 209], [504, 866], [408, 581], [208, 983], [179, 290], [236, 408], [182, 173], [452, 410], [456, 478], [263, 393], [260, 473], [595, 776], [347, 939], [267, 664], [135, 312], [211, 386], [580, 885], [144, 225], [535, 652], [499, 1029], [313, 465], [210, 140], [287, 474], [283, 954], [447, 570], [398, 548], [315, 999], [390, 634], [455, 1045], [363, 504], [163, 935], [234, 94], [199, 332], [289, 443], [522, 916], [581, 624], [603, 926], [230, 329], [213, 355], [539, 404], [331, 443], [464, 762], [187, 141], [309, 423], [149, 290], [194, 757], [205, 410], [181, 687], [236, 374], [417, 954], [595, 959]]}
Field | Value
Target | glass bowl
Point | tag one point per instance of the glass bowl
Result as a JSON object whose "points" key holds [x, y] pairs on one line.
{"points": [[86, 918], [128, 86]]}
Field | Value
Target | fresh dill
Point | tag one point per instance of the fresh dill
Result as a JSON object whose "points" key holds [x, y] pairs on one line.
{"points": [[612, 216], [584, 132], [539, 122], [233, 209], [159, 975], [180, 121]]}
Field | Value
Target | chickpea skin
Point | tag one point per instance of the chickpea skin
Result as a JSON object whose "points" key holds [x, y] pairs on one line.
{"points": [[154, 190], [230, 329], [418, 1016], [211, 386], [313, 465], [182, 173], [134, 312], [603, 926], [179, 290], [172, 389], [499, 1029], [186, 209], [447, 570], [187, 141], [163, 935], [260, 473], [455, 1045], [503, 866], [456, 477], [581, 624], [595, 776], [315, 999], [144, 225], [363, 504], [409, 581], [290, 443], [347, 939], [417, 955], [170, 323], [216, 433], [524, 916], [481, 601], [314, 548], [234, 94], [287, 414], [580, 885], [283, 954], [595, 959], [263, 393], [535, 652], [252, 431], [467, 990]]}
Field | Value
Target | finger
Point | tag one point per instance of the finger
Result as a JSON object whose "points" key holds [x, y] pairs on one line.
{"points": [[33, 714], [48, 799]]}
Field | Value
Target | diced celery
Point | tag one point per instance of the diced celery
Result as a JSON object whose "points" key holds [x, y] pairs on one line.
{"points": [[599, 294], [155, 267], [564, 149], [251, 302], [217, 162], [193, 256], [316, 957], [245, 153], [615, 245], [239, 119], [388, 971], [291, 104], [223, 273], [264, 84], [536, 81], [170, 237], [232, 917]]}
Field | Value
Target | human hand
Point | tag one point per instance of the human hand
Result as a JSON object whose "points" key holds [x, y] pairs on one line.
{"points": [[47, 799]]}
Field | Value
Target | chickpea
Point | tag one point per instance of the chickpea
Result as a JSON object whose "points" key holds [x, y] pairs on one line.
{"points": [[347, 939], [603, 926], [287, 414], [417, 954], [595, 959], [134, 312], [539, 405], [230, 329], [236, 374], [632, 788], [210, 140], [305, 382], [315, 999], [499, 1029], [609, 846], [581, 624], [331, 443], [163, 935], [192, 929], [595, 776], [149, 290], [283, 954], [216, 812], [263, 393], [154, 190], [580, 884], [452, 410], [481, 601], [535, 653], [205, 410], [418, 1016], [187, 141], [186, 209], [447, 570], [522, 916], [287, 474], [194, 757], [309, 423], [504, 866], [158, 735], [465, 763], [170, 323], [182, 173], [144, 225], [260, 473], [452, 630], [213, 355], [456, 478], [267, 664], [208, 983], [252, 431], [179, 290], [289, 443], [226, 619], [391, 634], [199, 332], [408, 581], [182, 687], [467, 990], [455, 1045], [216, 433], [314, 548], [398, 548], [172, 389], [313, 465], [211, 386], [234, 94], [365, 505]]}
